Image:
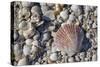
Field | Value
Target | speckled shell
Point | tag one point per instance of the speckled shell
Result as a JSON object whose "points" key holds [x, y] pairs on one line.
{"points": [[68, 38]]}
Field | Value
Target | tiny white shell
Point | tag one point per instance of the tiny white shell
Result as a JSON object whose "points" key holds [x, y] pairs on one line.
{"points": [[28, 41], [26, 4], [17, 50], [35, 43], [94, 57], [64, 14], [53, 57], [22, 61], [26, 50], [70, 59]]}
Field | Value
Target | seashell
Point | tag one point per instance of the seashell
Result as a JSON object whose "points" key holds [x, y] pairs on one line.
{"points": [[94, 25], [77, 58], [94, 57], [76, 9], [64, 14], [29, 33], [26, 50], [50, 14], [26, 4], [36, 10], [70, 59], [35, 18], [17, 50], [35, 43], [28, 42], [58, 8], [36, 36], [16, 35], [34, 50], [82, 55], [22, 61], [46, 36], [53, 57], [23, 25], [23, 14], [71, 18], [68, 38]]}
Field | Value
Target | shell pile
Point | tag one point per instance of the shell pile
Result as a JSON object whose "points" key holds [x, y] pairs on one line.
{"points": [[46, 33]]}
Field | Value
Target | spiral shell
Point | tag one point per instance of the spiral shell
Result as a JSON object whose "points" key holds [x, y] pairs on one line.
{"points": [[68, 38]]}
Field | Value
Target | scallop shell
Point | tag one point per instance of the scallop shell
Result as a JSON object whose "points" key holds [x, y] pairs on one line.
{"points": [[68, 38]]}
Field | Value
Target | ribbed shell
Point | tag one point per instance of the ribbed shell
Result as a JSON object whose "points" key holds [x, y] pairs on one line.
{"points": [[68, 38]]}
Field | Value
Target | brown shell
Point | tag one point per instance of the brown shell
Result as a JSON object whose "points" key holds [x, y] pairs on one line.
{"points": [[68, 38]]}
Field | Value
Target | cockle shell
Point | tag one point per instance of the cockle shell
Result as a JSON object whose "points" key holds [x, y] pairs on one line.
{"points": [[68, 38]]}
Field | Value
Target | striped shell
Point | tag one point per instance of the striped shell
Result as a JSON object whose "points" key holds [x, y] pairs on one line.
{"points": [[68, 38]]}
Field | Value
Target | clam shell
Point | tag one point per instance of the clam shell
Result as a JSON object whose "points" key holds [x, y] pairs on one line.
{"points": [[68, 38]]}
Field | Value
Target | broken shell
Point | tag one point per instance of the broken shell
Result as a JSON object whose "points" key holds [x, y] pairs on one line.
{"points": [[17, 50], [71, 18], [29, 33], [26, 4], [15, 35], [64, 14], [49, 14], [94, 57], [35, 43], [28, 42], [22, 61], [23, 25], [70, 59], [36, 9], [23, 14], [76, 9], [69, 38], [53, 57], [26, 50]]}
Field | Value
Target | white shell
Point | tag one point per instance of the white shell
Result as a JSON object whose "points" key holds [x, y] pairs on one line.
{"points": [[23, 25], [26, 4], [22, 61], [76, 9], [28, 41], [23, 13], [64, 14], [94, 57], [70, 59], [35, 43], [17, 50], [53, 57], [36, 9], [26, 50]]}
